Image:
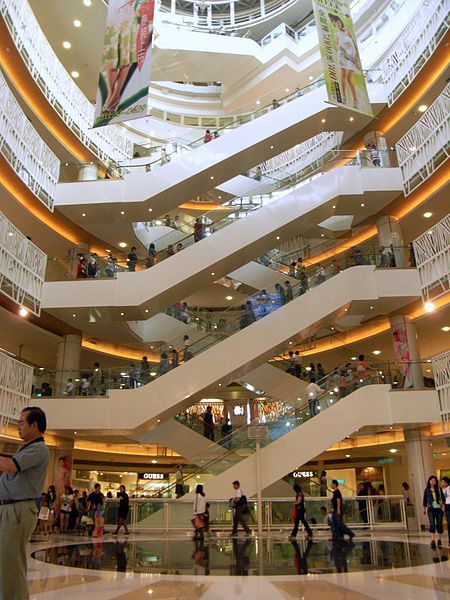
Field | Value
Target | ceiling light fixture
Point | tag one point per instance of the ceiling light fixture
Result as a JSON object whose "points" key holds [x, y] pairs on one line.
{"points": [[122, 314], [75, 74], [347, 456], [286, 90], [351, 119], [150, 210], [74, 315], [429, 306], [446, 328], [427, 215], [258, 102], [67, 45], [376, 352], [362, 204], [324, 120], [87, 2], [353, 358], [310, 77], [23, 312], [393, 450], [422, 108], [122, 244], [77, 23], [212, 273], [229, 298], [122, 212]]}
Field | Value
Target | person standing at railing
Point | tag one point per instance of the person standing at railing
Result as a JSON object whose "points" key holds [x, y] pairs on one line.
{"points": [[132, 259], [299, 514], [151, 258], [207, 137], [313, 391], [362, 371], [145, 370], [281, 294], [179, 482], [208, 424], [289, 291], [297, 364], [338, 527], [433, 506], [199, 230], [275, 104]]}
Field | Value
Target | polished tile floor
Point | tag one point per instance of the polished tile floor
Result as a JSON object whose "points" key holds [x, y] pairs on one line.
{"points": [[383, 565]]}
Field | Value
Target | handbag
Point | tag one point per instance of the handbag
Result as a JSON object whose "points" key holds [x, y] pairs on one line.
{"points": [[198, 522], [294, 512], [44, 513]]}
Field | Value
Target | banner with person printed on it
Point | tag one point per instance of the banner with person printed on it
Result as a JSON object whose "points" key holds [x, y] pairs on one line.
{"points": [[344, 77], [122, 92]]}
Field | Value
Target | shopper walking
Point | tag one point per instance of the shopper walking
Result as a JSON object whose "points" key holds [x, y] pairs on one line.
{"points": [[313, 391], [338, 527], [66, 509], [445, 485], [299, 514], [433, 506], [179, 483], [199, 230], [199, 513], [132, 259], [362, 504], [323, 484], [122, 511], [239, 505], [22, 479]]}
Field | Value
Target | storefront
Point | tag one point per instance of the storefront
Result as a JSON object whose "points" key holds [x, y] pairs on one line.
{"points": [[142, 484]]}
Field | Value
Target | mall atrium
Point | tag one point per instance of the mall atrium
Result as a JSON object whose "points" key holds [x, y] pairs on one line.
{"points": [[233, 275]]}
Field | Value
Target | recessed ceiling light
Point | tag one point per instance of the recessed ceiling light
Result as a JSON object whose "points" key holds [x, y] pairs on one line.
{"points": [[422, 108], [258, 102], [122, 244], [290, 343], [353, 358], [362, 204], [74, 315], [10, 233], [146, 310], [427, 215], [347, 456], [371, 307], [278, 237], [122, 314], [351, 119], [83, 214], [67, 45], [77, 23], [322, 235], [154, 462], [334, 205], [229, 298], [324, 120], [23, 312], [150, 209], [286, 90], [212, 273], [446, 328], [122, 212], [87, 2], [393, 450], [429, 306], [271, 147], [376, 352], [75, 74], [310, 77]]}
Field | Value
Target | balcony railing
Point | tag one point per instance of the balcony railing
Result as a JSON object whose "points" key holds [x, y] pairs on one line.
{"points": [[426, 146], [415, 46], [432, 255], [15, 388], [25, 151], [65, 97], [22, 267], [441, 372]]}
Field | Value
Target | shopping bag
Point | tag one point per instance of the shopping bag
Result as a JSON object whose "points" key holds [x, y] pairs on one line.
{"points": [[44, 513], [197, 522]]}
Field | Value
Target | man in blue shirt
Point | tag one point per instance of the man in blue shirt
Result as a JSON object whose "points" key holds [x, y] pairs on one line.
{"points": [[21, 482]]}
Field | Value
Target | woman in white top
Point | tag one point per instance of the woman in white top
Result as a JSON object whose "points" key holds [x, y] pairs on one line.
{"points": [[66, 508], [348, 59], [445, 485], [199, 512]]}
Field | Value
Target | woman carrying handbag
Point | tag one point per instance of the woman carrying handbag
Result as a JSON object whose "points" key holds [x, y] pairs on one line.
{"points": [[298, 514], [198, 520]]}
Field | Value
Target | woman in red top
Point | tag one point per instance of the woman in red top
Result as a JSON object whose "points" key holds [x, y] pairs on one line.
{"points": [[208, 137]]}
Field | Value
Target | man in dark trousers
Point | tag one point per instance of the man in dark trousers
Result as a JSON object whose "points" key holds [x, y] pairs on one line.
{"points": [[240, 509], [338, 527], [21, 481]]}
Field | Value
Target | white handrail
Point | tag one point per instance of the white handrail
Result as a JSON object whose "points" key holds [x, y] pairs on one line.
{"points": [[109, 143], [441, 373], [415, 46], [16, 379], [22, 267], [426, 146], [25, 150]]}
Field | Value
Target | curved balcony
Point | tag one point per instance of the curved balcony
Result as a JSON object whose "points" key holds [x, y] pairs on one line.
{"points": [[16, 380], [415, 46], [62, 93], [25, 151]]}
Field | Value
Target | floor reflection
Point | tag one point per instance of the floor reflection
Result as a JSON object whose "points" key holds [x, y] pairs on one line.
{"points": [[240, 556]]}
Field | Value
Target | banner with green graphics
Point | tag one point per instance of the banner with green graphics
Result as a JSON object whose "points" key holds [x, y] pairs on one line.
{"points": [[344, 77], [122, 92]]}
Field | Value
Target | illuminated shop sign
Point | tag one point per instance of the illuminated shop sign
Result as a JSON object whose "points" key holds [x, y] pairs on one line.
{"points": [[303, 474], [152, 476]]}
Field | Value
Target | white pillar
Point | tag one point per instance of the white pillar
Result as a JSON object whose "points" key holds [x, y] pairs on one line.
{"points": [[67, 361], [232, 14], [390, 233], [419, 453], [406, 350]]}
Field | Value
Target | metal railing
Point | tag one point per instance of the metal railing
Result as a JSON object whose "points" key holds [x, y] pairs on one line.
{"points": [[359, 512], [22, 267], [426, 146], [15, 388], [415, 46], [109, 143], [432, 257], [24, 149]]}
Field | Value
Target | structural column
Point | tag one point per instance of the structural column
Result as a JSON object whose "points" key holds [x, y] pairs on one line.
{"points": [[406, 350], [67, 361], [419, 453], [63, 465], [390, 234]]}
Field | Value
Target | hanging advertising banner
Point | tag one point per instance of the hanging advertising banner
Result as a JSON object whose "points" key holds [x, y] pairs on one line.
{"points": [[122, 91], [344, 77]]}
